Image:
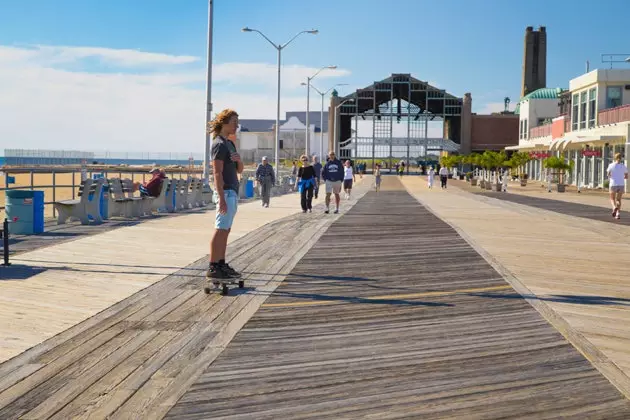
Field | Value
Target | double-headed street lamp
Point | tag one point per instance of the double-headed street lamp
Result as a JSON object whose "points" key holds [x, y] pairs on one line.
{"points": [[279, 47], [321, 125], [308, 105]]}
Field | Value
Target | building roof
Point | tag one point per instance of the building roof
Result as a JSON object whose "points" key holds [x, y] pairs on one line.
{"points": [[542, 93], [257, 126], [313, 118]]}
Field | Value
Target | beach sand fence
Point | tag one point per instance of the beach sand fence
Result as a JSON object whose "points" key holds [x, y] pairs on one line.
{"points": [[62, 183]]}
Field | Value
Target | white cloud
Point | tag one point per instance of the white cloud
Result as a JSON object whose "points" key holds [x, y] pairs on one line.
{"points": [[45, 106], [122, 57], [489, 108]]}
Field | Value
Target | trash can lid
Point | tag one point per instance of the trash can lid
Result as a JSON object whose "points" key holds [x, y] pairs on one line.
{"points": [[17, 194]]}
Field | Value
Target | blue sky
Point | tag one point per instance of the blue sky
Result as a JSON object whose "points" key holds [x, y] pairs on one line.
{"points": [[461, 45]]}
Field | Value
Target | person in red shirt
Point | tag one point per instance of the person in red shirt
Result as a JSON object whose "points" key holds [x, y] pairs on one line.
{"points": [[154, 186]]}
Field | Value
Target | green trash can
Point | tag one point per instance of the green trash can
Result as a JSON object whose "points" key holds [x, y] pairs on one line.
{"points": [[25, 211]]}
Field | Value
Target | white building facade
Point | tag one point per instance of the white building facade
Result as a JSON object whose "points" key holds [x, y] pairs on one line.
{"points": [[590, 125]]}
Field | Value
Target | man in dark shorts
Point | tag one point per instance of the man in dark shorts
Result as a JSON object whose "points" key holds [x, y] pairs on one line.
{"points": [[226, 165]]}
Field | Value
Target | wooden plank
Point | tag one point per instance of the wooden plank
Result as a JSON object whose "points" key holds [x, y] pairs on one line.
{"points": [[401, 340]]}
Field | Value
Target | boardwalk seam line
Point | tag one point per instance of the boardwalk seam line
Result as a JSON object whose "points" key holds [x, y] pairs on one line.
{"points": [[598, 359]]}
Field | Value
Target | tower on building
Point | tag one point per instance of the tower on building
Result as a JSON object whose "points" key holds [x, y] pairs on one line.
{"points": [[534, 60]]}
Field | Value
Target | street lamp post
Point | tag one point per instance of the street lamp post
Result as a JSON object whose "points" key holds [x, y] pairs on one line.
{"points": [[279, 48], [335, 122], [308, 105], [321, 118], [206, 156]]}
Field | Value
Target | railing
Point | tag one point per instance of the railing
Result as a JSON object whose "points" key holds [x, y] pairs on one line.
{"points": [[614, 115], [63, 183], [540, 131]]}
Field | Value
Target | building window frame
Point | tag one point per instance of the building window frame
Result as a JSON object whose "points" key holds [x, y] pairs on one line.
{"points": [[592, 107], [614, 102], [525, 132], [583, 109], [575, 113]]}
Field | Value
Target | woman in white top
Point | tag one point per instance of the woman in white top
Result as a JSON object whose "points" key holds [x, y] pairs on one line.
{"points": [[617, 175], [348, 177], [431, 176]]}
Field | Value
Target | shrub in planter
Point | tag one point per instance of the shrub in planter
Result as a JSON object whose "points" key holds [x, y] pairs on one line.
{"points": [[561, 167]]}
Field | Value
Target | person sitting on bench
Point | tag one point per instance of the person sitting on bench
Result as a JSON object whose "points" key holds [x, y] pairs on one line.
{"points": [[154, 186]]}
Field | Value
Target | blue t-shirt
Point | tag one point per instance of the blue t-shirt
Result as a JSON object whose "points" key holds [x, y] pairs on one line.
{"points": [[333, 171]]}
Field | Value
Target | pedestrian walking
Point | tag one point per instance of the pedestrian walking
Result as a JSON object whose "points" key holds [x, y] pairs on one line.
{"points": [[617, 174], [504, 180], [443, 176], [430, 176], [377, 177], [318, 174], [348, 178], [266, 180], [333, 175], [306, 184], [226, 165], [293, 175]]}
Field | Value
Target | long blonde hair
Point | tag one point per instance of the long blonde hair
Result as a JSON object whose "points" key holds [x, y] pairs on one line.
{"points": [[222, 118]]}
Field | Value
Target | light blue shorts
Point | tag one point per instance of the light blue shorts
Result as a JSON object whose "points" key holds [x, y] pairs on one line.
{"points": [[224, 221]]}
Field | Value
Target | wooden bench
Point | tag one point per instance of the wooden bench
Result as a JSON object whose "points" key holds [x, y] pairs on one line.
{"points": [[86, 207]]}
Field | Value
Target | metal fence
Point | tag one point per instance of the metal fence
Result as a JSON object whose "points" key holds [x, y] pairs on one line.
{"points": [[55, 180]]}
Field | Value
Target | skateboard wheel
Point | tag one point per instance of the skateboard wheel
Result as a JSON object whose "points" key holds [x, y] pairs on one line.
{"points": [[241, 284], [206, 290], [224, 290]]}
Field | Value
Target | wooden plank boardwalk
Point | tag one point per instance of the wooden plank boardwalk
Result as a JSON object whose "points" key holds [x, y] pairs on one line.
{"points": [[378, 312], [585, 211], [385, 317], [136, 358], [561, 263]]}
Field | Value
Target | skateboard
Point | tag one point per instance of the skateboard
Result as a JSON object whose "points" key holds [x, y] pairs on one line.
{"points": [[223, 285]]}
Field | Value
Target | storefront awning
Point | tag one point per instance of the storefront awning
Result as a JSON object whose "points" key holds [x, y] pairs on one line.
{"points": [[579, 141]]}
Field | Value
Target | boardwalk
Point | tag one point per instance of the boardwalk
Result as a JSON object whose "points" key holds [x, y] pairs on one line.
{"points": [[383, 311], [386, 317]]}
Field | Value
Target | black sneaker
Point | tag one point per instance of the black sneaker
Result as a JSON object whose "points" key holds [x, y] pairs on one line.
{"points": [[327, 211], [230, 271], [336, 211], [216, 273]]}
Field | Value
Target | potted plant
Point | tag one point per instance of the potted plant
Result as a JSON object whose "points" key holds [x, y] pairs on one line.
{"points": [[560, 167], [523, 178]]}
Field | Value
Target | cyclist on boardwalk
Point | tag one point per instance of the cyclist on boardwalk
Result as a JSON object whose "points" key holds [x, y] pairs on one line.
{"points": [[306, 184], [617, 174], [332, 174], [226, 165], [266, 179]]}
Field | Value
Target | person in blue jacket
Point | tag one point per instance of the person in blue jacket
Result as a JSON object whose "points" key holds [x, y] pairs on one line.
{"points": [[332, 174], [306, 184]]}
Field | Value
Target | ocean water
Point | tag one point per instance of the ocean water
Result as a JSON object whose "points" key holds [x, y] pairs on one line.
{"points": [[159, 162]]}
